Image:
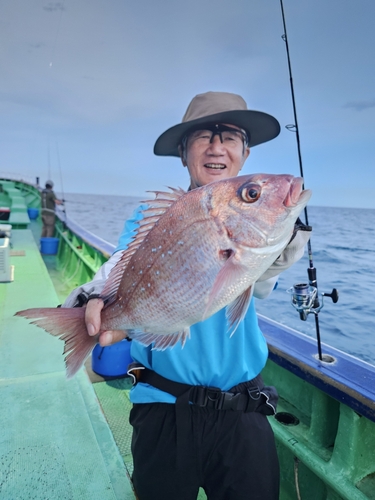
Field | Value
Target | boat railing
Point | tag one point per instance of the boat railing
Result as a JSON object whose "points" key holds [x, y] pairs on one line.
{"points": [[81, 253]]}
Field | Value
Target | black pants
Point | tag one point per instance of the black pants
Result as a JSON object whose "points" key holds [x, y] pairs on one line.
{"points": [[232, 455]]}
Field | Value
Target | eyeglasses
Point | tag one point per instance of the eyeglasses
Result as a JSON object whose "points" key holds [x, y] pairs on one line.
{"points": [[229, 136]]}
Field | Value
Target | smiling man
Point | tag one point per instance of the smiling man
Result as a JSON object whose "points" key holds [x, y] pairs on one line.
{"points": [[199, 413], [213, 153], [215, 136]]}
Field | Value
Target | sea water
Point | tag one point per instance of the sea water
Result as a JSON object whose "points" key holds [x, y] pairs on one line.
{"points": [[343, 248]]}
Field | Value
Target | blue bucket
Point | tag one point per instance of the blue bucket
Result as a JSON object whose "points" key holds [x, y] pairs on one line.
{"points": [[111, 361], [49, 246], [33, 213]]}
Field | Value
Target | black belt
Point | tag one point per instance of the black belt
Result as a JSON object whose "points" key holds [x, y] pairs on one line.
{"points": [[252, 399]]}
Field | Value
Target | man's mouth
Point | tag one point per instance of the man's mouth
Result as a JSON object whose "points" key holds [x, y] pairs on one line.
{"points": [[215, 166]]}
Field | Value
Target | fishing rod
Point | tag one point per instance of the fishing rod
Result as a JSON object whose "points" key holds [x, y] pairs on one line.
{"points": [[305, 298], [61, 183], [49, 161]]}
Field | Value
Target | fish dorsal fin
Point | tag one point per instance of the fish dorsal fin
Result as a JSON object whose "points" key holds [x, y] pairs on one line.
{"points": [[155, 209], [109, 292]]}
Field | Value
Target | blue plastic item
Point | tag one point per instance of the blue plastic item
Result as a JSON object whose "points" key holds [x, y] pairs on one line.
{"points": [[33, 213], [111, 361], [49, 246]]}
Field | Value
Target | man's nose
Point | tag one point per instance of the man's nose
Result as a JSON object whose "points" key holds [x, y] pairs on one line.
{"points": [[216, 146]]}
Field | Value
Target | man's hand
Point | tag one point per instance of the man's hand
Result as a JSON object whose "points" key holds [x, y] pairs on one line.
{"points": [[292, 253], [93, 322]]}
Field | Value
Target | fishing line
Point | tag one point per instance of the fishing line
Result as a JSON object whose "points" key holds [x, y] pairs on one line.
{"points": [[59, 165], [305, 297], [49, 161], [61, 179], [61, 8], [294, 127]]}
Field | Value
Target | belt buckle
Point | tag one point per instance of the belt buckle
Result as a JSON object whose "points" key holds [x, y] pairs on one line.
{"points": [[209, 397], [215, 398], [220, 400], [254, 393], [230, 401]]}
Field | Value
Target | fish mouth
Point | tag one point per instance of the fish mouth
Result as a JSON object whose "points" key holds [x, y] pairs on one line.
{"points": [[215, 166], [272, 246], [296, 194]]}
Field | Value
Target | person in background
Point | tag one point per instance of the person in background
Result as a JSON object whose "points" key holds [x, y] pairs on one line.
{"points": [[199, 413], [48, 203]]}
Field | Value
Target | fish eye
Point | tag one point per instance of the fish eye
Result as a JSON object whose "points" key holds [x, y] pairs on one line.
{"points": [[251, 193]]}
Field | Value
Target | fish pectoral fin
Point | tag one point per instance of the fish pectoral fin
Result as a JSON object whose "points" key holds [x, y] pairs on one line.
{"points": [[236, 311], [161, 342], [231, 272]]}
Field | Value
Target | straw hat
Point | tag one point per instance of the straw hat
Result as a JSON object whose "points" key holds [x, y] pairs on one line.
{"points": [[218, 107]]}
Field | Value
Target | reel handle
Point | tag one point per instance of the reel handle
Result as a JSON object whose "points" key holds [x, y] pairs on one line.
{"points": [[334, 295]]}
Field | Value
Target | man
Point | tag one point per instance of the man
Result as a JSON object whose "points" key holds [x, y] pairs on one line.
{"points": [[48, 202], [199, 413]]}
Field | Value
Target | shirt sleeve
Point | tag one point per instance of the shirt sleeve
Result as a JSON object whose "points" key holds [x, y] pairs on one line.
{"points": [[130, 228]]}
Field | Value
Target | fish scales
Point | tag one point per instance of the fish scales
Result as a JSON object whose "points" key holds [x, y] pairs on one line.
{"points": [[194, 253], [172, 278]]}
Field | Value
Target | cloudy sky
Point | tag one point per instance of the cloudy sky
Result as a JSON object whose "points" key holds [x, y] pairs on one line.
{"points": [[87, 86]]}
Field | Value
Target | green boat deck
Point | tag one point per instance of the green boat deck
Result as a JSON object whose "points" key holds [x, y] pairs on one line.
{"points": [[71, 439], [55, 441], [12, 196]]}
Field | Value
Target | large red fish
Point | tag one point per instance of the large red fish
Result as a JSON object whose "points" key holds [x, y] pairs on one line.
{"points": [[194, 253]]}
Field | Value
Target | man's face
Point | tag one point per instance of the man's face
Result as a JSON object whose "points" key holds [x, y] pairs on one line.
{"points": [[208, 159]]}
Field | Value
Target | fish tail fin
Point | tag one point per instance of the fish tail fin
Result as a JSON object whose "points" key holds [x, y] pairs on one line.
{"points": [[69, 325]]}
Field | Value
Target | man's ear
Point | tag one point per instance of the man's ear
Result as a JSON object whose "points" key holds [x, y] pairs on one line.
{"points": [[182, 156]]}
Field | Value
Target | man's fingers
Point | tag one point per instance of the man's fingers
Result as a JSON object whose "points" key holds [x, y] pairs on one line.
{"points": [[93, 323], [111, 337], [92, 316]]}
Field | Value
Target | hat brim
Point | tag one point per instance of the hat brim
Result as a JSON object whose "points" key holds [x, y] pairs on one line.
{"points": [[261, 127]]}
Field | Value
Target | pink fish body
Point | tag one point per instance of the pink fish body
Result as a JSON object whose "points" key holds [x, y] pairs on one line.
{"points": [[194, 253]]}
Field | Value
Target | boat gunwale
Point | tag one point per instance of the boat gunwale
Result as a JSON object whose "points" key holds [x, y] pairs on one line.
{"points": [[343, 379]]}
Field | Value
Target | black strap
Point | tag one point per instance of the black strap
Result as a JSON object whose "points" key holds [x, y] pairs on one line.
{"points": [[206, 397], [164, 384]]}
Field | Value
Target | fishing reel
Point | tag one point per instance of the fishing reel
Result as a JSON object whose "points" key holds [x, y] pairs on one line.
{"points": [[305, 299]]}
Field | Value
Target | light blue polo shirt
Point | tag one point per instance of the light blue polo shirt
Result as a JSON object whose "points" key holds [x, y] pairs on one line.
{"points": [[210, 357]]}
